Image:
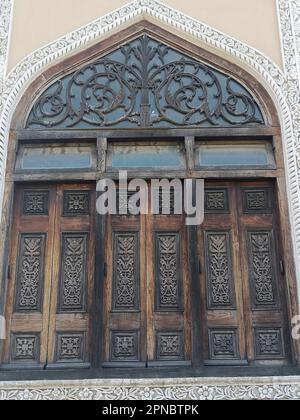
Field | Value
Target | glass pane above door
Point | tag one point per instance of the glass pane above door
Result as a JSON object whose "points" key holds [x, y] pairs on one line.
{"points": [[56, 157], [230, 154], [150, 156]]}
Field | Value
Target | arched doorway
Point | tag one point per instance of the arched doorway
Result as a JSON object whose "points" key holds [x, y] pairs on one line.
{"points": [[147, 291]]}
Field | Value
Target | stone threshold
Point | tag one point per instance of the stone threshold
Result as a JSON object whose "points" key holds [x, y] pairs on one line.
{"points": [[230, 388]]}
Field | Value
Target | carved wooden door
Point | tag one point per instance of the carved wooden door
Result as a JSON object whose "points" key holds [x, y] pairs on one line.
{"points": [[242, 281], [147, 310], [51, 276]]}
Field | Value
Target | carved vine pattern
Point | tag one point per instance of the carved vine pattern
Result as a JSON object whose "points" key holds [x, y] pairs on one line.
{"points": [[125, 287], [145, 83], [261, 269], [219, 270], [73, 273], [168, 284], [28, 291]]}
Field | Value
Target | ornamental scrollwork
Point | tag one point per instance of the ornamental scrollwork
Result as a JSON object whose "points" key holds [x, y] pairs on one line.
{"points": [[145, 84]]}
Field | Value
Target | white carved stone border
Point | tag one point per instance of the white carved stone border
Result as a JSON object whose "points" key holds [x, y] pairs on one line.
{"points": [[284, 88], [284, 388]]}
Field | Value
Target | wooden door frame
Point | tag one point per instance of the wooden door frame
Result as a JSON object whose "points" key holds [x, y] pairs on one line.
{"points": [[18, 133]]}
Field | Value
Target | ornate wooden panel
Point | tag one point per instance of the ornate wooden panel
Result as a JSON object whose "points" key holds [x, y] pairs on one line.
{"points": [[262, 273], [126, 269], [216, 201], [257, 200], [35, 203], [51, 288], [168, 270], [145, 83], [25, 348], [76, 203], [70, 347], [223, 344], [219, 277], [269, 343], [73, 272], [170, 346], [124, 346], [30, 272]]}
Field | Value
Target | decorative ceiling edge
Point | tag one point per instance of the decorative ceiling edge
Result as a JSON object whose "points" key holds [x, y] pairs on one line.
{"points": [[283, 85], [254, 388]]}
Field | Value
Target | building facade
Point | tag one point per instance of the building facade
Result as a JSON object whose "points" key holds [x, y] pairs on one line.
{"points": [[161, 90]]}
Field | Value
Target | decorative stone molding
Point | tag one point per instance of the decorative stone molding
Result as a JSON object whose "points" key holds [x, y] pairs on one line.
{"points": [[284, 86], [267, 388], [6, 7]]}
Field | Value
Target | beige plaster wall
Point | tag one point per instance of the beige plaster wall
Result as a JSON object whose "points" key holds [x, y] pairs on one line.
{"points": [[38, 22]]}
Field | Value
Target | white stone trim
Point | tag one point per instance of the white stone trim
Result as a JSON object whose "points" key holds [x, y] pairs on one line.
{"points": [[265, 388]]}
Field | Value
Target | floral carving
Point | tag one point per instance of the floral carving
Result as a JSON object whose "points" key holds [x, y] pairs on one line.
{"points": [[170, 346], [219, 271], [70, 347], [124, 346], [261, 271], [216, 201], [73, 280], [286, 388], [145, 83], [30, 273], [35, 202], [126, 272], [268, 343], [167, 272], [25, 347], [222, 344], [76, 203]]}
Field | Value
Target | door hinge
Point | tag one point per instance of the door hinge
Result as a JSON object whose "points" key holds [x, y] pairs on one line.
{"points": [[281, 265]]}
